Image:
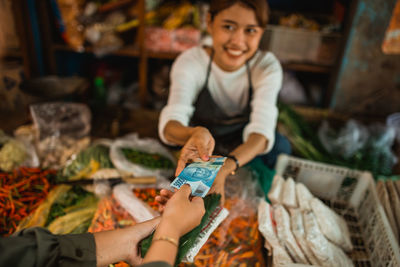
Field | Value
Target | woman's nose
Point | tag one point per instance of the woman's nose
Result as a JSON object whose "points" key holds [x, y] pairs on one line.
{"points": [[238, 37]]}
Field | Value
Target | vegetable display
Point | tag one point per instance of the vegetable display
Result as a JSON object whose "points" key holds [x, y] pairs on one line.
{"points": [[149, 160], [66, 210], [21, 192], [86, 162], [236, 242]]}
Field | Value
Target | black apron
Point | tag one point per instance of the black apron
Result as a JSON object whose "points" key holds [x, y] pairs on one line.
{"points": [[226, 130]]}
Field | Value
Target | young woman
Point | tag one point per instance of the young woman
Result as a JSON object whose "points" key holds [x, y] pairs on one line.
{"points": [[224, 96]]}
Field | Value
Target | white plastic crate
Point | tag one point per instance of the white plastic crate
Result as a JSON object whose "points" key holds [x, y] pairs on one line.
{"points": [[352, 194]]}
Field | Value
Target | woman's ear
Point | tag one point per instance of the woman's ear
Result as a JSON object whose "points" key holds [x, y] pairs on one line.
{"points": [[209, 23]]}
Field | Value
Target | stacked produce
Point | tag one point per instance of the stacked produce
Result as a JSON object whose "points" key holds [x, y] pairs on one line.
{"points": [[300, 228], [236, 242], [66, 210], [21, 191]]}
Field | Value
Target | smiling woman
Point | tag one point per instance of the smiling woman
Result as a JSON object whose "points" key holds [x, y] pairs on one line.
{"points": [[223, 98]]}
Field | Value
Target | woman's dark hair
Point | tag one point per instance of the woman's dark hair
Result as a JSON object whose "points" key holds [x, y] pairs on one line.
{"points": [[260, 8]]}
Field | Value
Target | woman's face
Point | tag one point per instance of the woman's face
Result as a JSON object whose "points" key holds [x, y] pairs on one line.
{"points": [[236, 35]]}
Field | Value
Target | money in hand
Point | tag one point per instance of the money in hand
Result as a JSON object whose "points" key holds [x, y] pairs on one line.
{"points": [[199, 175]]}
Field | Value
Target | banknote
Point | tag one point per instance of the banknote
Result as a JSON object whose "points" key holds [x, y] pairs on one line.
{"points": [[199, 175]]}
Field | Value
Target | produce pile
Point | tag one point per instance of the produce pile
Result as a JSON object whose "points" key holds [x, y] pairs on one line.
{"points": [[236, 242], [66, 210], [300, 228], [21, 191]]}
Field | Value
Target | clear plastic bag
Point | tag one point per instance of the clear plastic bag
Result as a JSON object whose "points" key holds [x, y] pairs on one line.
{"points": [[16, 152], [146, 145], [237, 240], [62, 130], [345, 142]]}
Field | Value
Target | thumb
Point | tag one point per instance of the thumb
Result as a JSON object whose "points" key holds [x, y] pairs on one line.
{"points": [[184, 191], [198, 201], [144, 229], [203, 153]]}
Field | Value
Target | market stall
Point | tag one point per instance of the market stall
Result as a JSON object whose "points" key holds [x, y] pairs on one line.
{"points": [[112, 183]]}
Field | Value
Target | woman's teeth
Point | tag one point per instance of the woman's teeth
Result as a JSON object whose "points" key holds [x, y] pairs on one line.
{"points": [[234, 52]]}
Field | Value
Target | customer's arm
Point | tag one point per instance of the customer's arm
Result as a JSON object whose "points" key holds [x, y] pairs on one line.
{"points": [[122, 244], [38, 247]]}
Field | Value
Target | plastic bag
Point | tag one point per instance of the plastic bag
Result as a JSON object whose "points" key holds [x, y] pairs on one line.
{"points": [[288, 195], [331, 224], [138, 209], [146, 145], [285, 234], [62, 130], [380, 156], [16, 152], [237, 240], [346, 142], [274, 194]]}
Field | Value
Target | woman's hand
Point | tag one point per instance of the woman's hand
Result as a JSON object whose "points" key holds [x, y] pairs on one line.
{"points": [[218, 186], [199, 145]]}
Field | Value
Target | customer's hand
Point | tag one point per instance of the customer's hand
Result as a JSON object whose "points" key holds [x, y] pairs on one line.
{"points": [[182, 212], [199, 145], [163, 198], [138, 232]]}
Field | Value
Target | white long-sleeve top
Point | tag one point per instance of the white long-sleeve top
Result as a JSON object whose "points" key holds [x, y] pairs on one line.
{"points": [[228, 89]]}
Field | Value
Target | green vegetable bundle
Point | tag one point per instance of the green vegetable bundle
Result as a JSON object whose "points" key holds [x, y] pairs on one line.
{"points": [[94, 153], [149, 160]]}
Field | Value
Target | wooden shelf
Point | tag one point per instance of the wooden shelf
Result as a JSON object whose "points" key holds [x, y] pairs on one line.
{"points": [[162, 55], [306, 67], [11, 52], [130, 51]]}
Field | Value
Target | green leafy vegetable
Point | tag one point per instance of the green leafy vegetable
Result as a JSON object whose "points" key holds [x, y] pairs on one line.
{"points": [[149, 160]]}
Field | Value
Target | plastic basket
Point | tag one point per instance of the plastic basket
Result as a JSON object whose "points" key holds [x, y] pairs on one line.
{"points": [[352, 194]]}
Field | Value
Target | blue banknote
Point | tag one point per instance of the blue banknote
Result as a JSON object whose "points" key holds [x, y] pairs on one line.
{"points": [[199, 175]]}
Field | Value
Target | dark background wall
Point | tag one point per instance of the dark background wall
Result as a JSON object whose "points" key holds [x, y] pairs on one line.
{"points": [[368, 81]]}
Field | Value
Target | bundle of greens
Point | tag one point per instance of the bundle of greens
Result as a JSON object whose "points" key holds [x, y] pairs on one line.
{"points": [[149, 160], [211, 202], [86, 162], [66, 210]]}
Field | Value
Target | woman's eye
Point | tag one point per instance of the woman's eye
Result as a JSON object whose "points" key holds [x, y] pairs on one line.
{"points": [[228, 27], [251, 30]]}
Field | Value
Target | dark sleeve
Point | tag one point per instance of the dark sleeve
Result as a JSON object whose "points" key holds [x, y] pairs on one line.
{"points": [[156, 264], [38, 247]]}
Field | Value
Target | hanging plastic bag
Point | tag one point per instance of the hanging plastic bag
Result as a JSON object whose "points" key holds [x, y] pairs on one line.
{"points": [[142, 157], [345, 142]]}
